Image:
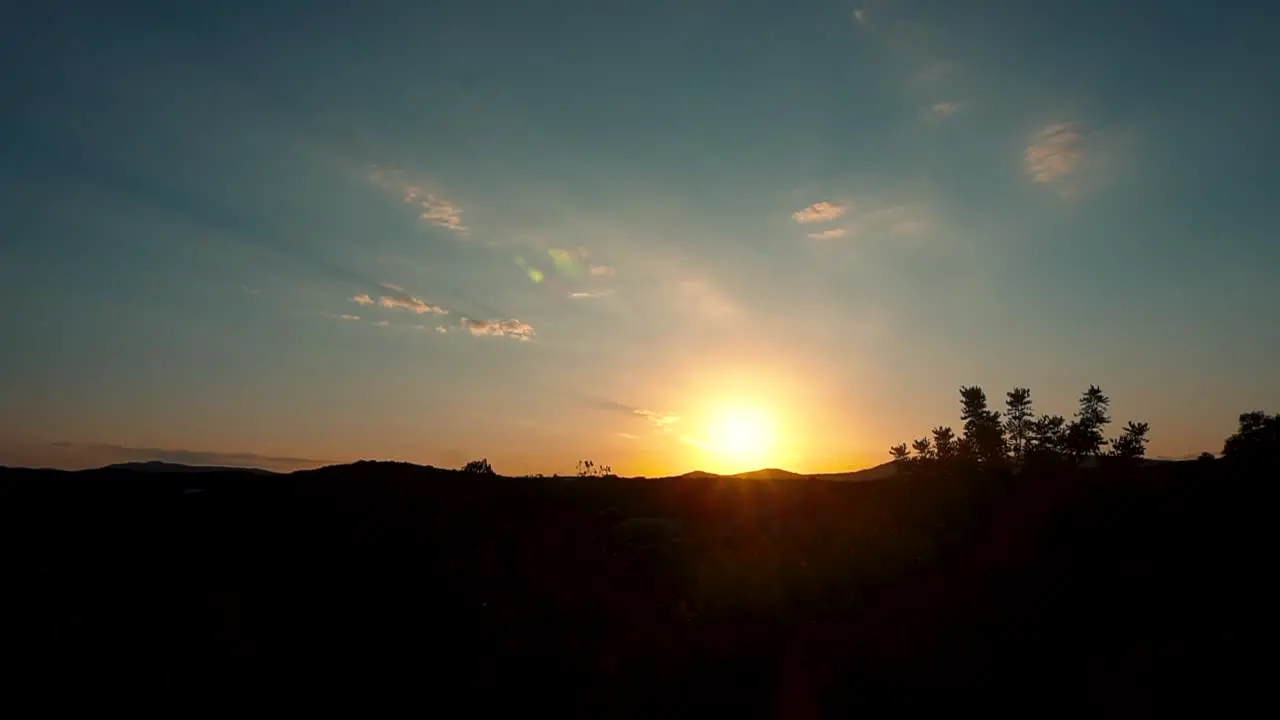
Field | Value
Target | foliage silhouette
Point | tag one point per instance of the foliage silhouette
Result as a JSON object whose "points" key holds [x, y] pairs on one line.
{"points": [[1085, 434], [944, 443], [587, 468], [478, 467], [1257, 440], [1132, 443], [983, 434], [1024, 439]]}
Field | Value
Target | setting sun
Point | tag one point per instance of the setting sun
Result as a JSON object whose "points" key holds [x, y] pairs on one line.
{"points": [[740, 438]]}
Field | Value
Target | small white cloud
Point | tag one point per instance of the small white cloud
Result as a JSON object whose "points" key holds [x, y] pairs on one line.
{"points": [[442, 330], [347, 317], [603, 270], [363, 299], [383, 323], [1054, 152], [589, 295], [819, 212], [831, 234], [499, 328], [860, 16], [944, 109]]}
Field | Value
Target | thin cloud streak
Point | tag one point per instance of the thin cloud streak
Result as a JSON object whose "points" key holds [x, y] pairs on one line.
{"points": [[433, 207], [410, 303], [499, 328], [831, 234]]}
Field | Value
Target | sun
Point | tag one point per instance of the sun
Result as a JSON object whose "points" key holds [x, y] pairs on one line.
{"points": [[740, 438]]}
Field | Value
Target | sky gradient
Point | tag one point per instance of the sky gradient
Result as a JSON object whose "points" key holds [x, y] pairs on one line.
{"points": [[256, 233]]}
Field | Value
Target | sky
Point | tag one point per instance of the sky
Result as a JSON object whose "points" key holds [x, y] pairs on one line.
{"points": [[662, 235]]}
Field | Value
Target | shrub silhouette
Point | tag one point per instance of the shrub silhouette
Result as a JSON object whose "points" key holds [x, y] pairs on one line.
{"points": [[479, 467], [1257, 440]]}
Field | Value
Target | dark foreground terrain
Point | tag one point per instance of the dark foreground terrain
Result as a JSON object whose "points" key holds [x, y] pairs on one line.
{"points": [[1115, 590]]}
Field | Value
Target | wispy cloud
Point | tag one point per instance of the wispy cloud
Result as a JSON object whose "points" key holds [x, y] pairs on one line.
{"points": [[442, 330], [659, 421], [586, 295], [363, 299], [706, 299], [831, 234], [819, 212], [909, 226], [499, 328], [410, 303], [433, 207], [1054, 152], [860, 16], [383, 323], [944, 109], [353, 318], [603, 270]]}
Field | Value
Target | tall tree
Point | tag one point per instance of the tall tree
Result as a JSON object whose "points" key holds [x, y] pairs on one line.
{"points": [[1017, 420], [1257, 439], [1047, 436], [1084, 434], [944, 443], [924, 451], [900, 453], [1132, 443], [983, 434]]}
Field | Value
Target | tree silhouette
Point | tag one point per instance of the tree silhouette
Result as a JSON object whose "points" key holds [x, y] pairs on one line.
{"points": [[1084, 434], [1256, 440], [587, 468], [983, 433], [479, 467], [1017, 420], [944, 443], [1047, 436], [1132, 443], [1046, 439]]}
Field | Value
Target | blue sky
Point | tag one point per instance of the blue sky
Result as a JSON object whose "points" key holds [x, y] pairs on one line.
{"points": [[597, 229]]}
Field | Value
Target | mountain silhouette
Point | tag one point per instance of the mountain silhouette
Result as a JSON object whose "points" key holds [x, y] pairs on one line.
{"points": [[159, 466]]}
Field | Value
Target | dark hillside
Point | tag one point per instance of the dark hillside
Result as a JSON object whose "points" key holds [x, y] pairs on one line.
{"points": [[1115, 589]]}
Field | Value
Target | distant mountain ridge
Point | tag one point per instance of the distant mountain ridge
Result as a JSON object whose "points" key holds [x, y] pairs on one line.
{"points": [[159, 466], [872, 473]]}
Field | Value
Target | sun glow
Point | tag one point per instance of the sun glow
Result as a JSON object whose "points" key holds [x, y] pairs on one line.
{"points": [[740, 438]]}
